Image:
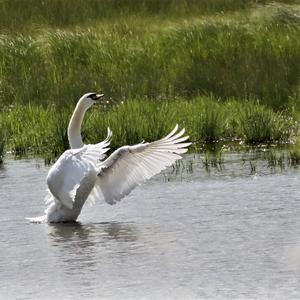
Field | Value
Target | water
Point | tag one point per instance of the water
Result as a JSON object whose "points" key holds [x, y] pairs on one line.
{"points": [[230, 233]]}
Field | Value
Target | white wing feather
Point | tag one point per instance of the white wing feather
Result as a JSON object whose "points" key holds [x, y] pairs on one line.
{"points": [[66, 175], [96, 153], [129, 166]]}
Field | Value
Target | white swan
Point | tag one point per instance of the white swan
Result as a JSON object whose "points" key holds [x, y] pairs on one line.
{"points": [[81, 173]]}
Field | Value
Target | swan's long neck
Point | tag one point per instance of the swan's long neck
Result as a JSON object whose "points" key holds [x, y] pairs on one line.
{"points": [[74, 128]]}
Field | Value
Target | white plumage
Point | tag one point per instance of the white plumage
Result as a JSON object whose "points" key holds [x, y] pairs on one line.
{"points": [[81, 173]]}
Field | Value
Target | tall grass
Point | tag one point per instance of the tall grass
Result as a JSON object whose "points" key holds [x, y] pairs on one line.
{"points": [[134, 59], [43, 131], [260, 125], [149, 57], [20, 15], [35, 129]]}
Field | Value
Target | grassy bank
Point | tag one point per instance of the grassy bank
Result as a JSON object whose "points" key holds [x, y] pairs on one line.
{"points": [[19, 15], [236, 55], [42, 131], [226, 70]]}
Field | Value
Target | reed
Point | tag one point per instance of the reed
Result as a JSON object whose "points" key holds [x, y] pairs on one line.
{"points": [[226, 70], [2, 145], [259, 124], [43, 130], [294, 153], [37, 130], [227, 56], [24, 15]]}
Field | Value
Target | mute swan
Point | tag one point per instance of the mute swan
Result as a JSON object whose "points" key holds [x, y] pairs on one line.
{"points": [[81, 172]]}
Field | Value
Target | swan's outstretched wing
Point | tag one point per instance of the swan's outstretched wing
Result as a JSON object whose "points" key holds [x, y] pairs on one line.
{"points": [[67, 174], [131, 165]]}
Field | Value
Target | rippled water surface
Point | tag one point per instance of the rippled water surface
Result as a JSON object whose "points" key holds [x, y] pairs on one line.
{"points": [[228, 232]]}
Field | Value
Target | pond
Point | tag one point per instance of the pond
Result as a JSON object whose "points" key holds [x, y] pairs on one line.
{"points": [[223, 229]]}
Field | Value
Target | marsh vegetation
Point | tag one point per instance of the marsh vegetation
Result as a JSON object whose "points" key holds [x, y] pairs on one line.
{"points": [[226, 70]]}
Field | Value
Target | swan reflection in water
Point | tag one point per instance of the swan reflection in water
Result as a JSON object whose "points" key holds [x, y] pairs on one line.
{"points": [[72, 231], [85, 246]]}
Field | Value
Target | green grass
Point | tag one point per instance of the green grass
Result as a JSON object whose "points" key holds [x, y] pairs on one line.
{"points": [[228, 71], [259, 124], [42, 131], [235, 55], [36, 130], [19, 15]]}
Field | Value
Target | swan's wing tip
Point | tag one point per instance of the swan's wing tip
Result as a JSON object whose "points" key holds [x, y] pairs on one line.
{"points": [[109, 135]]}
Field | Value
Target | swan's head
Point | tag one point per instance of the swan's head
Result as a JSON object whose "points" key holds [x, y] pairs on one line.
{"points": [[89, 99]]}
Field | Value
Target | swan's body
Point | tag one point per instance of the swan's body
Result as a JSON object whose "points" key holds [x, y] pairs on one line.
{"points": [[81, 173]]}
